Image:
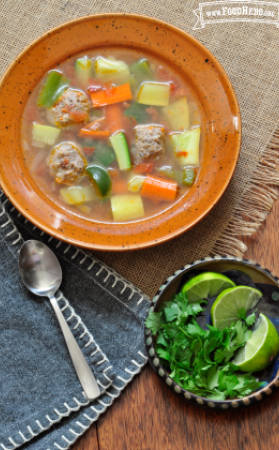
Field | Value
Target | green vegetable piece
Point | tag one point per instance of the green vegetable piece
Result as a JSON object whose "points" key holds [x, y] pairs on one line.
{"points": [[188, 177], [138, 112], [104, 155], [133, 82], [167, 171], [110, 69], [72, 195], [45, 134], [100, 177], [83, 69], [177, 114], [186, 146], [126, 207], [120, 146], [154, 94], [90, 143], [53, 88], [170, 172], [77, 195], [142, 70], [135, 183]]}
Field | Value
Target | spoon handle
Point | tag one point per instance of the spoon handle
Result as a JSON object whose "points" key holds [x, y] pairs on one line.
{"points": [[84, 373]]}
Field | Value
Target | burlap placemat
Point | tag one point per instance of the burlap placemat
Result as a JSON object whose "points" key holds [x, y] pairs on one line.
{"points": [[249, 53]]}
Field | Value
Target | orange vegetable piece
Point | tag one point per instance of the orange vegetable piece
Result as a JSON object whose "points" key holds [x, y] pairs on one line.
{"points": [[182, 154], [114, 116], [77, 116], [158, 188], [143, 168], [84, 132], [113, 95], [95, 125]]}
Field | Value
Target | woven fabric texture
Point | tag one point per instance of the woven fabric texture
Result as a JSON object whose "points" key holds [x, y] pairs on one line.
{"points": [[247, 51]]}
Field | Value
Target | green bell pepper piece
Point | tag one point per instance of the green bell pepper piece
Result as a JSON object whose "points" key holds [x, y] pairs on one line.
{"points": [[189, 176], [100, 177], [141, 70], [55, 85]]}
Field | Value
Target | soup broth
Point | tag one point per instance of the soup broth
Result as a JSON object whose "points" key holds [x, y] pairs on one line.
{"points": [[113, 135]]}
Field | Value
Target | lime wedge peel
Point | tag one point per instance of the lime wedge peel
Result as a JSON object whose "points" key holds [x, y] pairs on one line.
{"points": [[207, 284], [225, 309], [261, 349]]}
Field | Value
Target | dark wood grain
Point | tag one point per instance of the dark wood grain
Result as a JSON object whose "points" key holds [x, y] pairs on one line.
{"points": [[148, 416]]}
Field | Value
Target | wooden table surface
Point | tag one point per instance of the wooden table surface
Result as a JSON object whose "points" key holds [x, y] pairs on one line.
{"points": [[148, 416]]}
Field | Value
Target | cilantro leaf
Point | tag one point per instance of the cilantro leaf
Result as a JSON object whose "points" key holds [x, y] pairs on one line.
{"points": [[223, 355], [154, 322], [250, 319], [212, 377], [171, 331], [196, 308], [163, 353], [161, 339], [238, 330], [242, 313], [172, 312], [195, 330], [199, 359], [182, 340], [217, 395]]}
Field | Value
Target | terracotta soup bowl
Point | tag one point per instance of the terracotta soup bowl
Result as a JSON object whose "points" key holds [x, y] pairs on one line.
{"points": [[220, 130]]}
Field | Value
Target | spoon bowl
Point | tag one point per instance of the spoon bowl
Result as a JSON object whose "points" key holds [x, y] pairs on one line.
{"points": [[41, 273], [39, 268]]}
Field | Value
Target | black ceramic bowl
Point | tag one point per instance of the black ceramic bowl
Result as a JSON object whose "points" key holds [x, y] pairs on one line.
{"points": [[241, 271]]}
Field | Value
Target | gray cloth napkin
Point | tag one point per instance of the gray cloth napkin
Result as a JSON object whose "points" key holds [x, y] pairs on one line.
{"points": [[42, 405]]}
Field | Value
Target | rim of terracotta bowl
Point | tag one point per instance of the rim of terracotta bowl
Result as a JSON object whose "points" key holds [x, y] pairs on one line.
{"points": [[133, 243], [225, 405]]}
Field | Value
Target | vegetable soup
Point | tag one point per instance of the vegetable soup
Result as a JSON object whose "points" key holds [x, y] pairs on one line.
{"points": [[113, 135]]}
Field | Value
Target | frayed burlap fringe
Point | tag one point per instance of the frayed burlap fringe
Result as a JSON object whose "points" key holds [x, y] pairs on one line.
{"points": [[255, 205]]}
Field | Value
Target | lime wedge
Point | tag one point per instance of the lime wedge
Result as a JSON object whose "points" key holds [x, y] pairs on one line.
{"points": [[261, 349], [225, 309], [207, 284]]}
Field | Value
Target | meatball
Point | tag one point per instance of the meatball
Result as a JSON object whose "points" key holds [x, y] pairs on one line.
{"points": [[66, 163], [72, 107], [149, 144]]}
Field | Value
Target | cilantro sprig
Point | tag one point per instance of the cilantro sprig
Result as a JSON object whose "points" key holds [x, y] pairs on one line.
{"points": [[200, 360]]}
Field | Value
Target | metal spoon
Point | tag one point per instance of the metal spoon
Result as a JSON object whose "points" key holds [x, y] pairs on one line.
{"points": [[42, 274]]}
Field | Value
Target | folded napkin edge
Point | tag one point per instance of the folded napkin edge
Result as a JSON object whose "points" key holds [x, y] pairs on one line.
{"points": [[16, 242], [73, 435], [33, 426]]}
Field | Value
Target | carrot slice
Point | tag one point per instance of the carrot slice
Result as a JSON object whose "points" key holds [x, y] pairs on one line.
{"points": [[114, 116], [95, 125], [77, 116], [84, 132], [143, 168], [112, 95], [154, 187]]}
